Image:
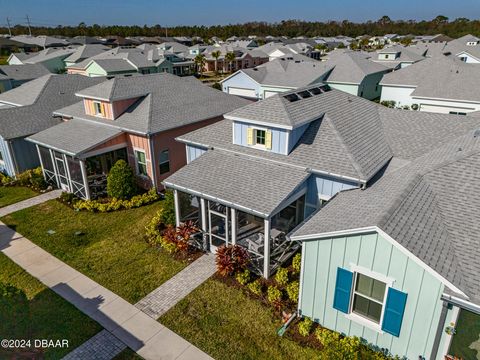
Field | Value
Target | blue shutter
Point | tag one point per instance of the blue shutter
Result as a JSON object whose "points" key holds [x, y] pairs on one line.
{"points": [[343, 288], [394, 309]]}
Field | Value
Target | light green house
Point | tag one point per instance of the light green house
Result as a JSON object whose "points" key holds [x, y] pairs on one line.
{"points": [[395, 263]]}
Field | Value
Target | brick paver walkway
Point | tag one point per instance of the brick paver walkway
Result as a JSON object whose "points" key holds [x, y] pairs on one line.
{"points": [[30, 202], [103, 346], [163, 298], [138, 331]]}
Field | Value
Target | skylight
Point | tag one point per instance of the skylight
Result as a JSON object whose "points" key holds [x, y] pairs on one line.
{"points": [[292, 97], [304, 94], [307, 93]]}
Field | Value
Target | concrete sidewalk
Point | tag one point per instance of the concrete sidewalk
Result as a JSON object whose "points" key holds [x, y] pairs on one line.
{"points": [[140, 332], [30, 202]]}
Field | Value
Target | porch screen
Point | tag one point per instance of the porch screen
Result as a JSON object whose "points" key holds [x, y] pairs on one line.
{"points": [[75, 170], [46, 159]]}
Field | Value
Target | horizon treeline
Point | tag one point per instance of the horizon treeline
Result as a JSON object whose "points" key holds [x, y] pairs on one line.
{"points": [[291, 28]]}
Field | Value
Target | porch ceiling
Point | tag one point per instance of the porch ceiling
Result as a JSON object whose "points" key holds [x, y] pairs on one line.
{"points": [[247, 183], [74, 137]]}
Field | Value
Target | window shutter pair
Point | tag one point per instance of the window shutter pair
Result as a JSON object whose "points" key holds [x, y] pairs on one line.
{"points": [[268, 139], [394, 306]]}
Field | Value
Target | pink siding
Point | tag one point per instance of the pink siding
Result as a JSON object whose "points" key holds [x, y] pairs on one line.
{"points": [[177, 153], [137, 142], [89, 110], [120, 106], [120, 139], [76, 71]]}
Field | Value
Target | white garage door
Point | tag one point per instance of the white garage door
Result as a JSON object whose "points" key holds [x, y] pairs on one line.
{"points": [[443, 109], [267, 93], [242, 92]]}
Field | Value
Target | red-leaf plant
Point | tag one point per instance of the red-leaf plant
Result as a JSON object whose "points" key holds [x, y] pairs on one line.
{"points": [[231, 259]]}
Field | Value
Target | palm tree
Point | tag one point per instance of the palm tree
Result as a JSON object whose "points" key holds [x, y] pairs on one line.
{"points": [[200, 62], [230, 58], [216, 54]]}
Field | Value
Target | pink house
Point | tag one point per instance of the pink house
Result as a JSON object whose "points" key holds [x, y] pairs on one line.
{"points": [[132, 118]]}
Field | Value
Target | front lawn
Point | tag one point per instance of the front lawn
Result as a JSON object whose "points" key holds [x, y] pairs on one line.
{"points": [[107, 247], [12, 194], [468, 332], [29, 311], [227, 324]]}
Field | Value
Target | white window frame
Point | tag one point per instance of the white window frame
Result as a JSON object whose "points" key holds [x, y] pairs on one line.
{"points": [[137, 167], [362, 320], [2, 158], [97, 113], [255, 145]]}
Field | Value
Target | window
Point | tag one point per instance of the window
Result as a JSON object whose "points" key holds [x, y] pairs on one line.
{"points": [[457, 113], [97, 107], [260, 137], [386, 56], [164, 162], [141, 162], [463, 58], [368, 297]]}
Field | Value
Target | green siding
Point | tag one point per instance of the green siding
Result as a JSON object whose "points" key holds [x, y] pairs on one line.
{"points": [[371, 251], [348, 88], [94, 70]]}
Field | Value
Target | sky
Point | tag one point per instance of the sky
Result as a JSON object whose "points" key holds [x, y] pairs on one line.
{"points": [[213, 12]]}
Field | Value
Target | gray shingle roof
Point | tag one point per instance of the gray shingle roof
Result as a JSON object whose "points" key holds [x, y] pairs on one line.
{"points": [[283, 72], [165, 102], [439, 77], [24, 72], [27, 93], [75, 136], [430, 207], [86, 51], [115, 65], [58, 91], [242, 180], [48, 54]]}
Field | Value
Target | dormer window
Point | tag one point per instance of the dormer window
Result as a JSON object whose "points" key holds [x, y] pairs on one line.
{"points": [[97, 107], [260, 138]]}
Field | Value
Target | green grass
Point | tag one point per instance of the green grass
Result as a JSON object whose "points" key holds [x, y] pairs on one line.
{"points": [[13, 194], [3, 60], [29, 310], [112, 250], [468, 331], [227, 324]]}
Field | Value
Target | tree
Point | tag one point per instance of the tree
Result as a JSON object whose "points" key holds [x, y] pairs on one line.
{"points": [[200, 61], [441, 19], [121, 183], [216, 54], [230, 58]]}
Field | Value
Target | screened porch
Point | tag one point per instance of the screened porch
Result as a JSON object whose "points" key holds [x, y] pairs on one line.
{"points": [[221, 225]]}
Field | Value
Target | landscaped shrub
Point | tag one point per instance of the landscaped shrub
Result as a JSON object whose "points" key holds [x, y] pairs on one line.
{"points": [[243, 277], [68, 198], [305, 326], [388, 103], [297, 263], [121, 183], [174, 239], [293, 290], [168, 213], [281, 277], [5, 179], [152, 229], [117, 204], [32, 178], [231, 259], [255, 287], [274, 295]]}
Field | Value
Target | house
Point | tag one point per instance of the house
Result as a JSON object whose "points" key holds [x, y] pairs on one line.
{"points": [[397, 57], [275, 76], [41, 41], [438, 38], [84, 52], [276, 50], [272, 164], [466, 48], [244, 58], [349, 71], [15, 75], [28, 109], [441, 84], [361, 187], [132, 118], [52, 58], [396, 263]]}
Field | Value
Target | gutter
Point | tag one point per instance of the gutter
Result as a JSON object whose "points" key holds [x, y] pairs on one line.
{"points": [[464, 304]]}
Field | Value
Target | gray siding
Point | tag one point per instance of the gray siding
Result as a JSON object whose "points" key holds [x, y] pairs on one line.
{"points": [[279, 136], [25, 154], [7, 166], [194, 152]]}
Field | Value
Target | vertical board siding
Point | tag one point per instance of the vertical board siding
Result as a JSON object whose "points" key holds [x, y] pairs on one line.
{"points": [[295, 135], [371, 251], [323, 187], [119, 107], [25, 154], [7, 167], [240, 80], [279, 136], [90, 110]]}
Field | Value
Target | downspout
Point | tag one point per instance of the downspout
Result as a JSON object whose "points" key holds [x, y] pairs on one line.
{"points": [[439, 333]]}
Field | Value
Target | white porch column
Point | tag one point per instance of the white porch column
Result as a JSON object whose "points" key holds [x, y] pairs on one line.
{"points": [[233, 214], [266, 253], [55, 169], [177, 208], [203, 209], [83, 169], [67, 168]]}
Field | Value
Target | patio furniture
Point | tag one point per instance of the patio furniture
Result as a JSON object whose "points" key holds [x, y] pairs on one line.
{"points": [[256, 243]]}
